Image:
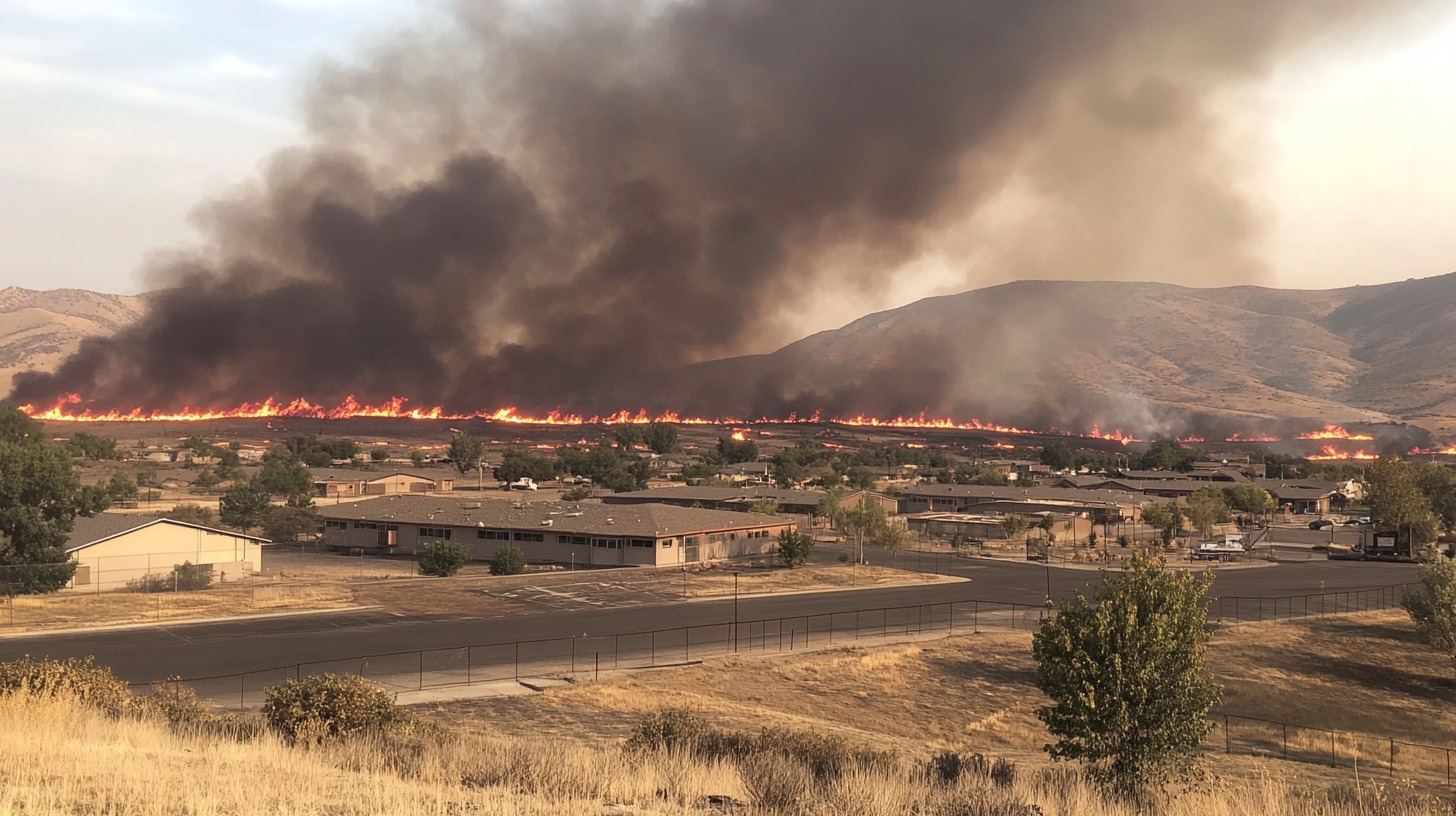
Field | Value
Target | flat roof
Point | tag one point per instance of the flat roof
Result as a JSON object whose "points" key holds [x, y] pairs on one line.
{"points": [[1013, 493], [749, 493], [584, 518]]}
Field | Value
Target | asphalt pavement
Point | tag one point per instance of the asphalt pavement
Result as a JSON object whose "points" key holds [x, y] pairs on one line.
{"points": [[147, 653]]}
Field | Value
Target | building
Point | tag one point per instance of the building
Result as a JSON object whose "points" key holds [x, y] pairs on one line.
{"points": [[1308, 497], [587, 533], [796, 502], [113, 550], [345, 483], [984, 499], [971, 527]]}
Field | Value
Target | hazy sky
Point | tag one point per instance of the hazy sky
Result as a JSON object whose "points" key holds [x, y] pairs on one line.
{"points": [[120, 115]]}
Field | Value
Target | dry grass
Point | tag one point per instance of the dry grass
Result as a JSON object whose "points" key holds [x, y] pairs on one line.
{"points": [[71, 609], [57, 757]]}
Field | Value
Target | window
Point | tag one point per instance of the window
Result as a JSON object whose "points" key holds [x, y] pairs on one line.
{"points": [[607, 543], [330, 524], [365, 525], [493, 535], [436, 532], [667, 543], [519, 536], [641, 542]]}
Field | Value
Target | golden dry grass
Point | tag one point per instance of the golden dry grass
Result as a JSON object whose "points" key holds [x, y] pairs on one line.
{"points": [[71, 609]]}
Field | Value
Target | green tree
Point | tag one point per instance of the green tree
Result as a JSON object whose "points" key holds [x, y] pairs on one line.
{"points": [[1247, 497], [508, 560], [466, 451], [861, 477], [17, 427], [1013, 525], [121, 488], [1046, 524], [1164, 518], [829, 507], [795, 547], [1438, 483], [1125, 674], [193, 514], [443, 559], [244, 504], [40, 497], [864, 520], [1206, 510], [891, 535], [1057, 455], [765, 507], [284, 474], [417, 458], [661, 437], [206, 479], [733, 451], [1393, 494], [288, 523], [378, 454], [787, 472], [94, 447], [1433, 608]]}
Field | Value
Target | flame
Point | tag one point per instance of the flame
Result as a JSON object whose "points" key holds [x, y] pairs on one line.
{"points": [[70, 408], [1335, 432], [1003, 446], [739, 436], [1255, 437], [1330, 452], [1449, 450]]}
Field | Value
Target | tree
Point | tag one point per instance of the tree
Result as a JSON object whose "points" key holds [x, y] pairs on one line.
{"points": [[284, 474], [40, 497], [508, 560], [660, 437], [205, 479], [1247, 497], [734, 451], [466, 451], [193, 514], [378, 454], [1164, 518], [1206, 510], [863, 520], [795, 547], [17, 427], [1125, 673], [1438, 483], [443, 559], [91, 446], [1057, 455], [1396, 502], [1013, 525], [787, 472], [1046, 524], [829, 507], [765, 507], [417, 458], [244, 504], [1433, 608], [288, 523], [861, 477], [891, 535], [121, 488]]}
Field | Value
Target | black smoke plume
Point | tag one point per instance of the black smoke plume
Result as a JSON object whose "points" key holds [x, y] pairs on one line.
{"points": [[555, 205]]}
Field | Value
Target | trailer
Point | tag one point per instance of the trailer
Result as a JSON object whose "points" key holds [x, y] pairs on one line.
{"points": [[1220, 548]]}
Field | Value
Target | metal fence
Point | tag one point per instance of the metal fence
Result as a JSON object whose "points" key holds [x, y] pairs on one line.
{"points": [[1235, 734], [588, 655], [1234, 609]]}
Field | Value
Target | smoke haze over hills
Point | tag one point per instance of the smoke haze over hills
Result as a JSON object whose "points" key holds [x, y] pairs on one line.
{"points": [[570, 204]]}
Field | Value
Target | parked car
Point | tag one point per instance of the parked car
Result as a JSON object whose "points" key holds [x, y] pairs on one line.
{"points": [[523, 483], [1321, 524], [577, 480]]}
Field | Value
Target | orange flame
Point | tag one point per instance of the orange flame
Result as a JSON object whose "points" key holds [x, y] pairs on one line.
{"points": [[1330, 452], [1255, 437], [1335, 432], [69, 409], [1449, 450], [739, 436]]}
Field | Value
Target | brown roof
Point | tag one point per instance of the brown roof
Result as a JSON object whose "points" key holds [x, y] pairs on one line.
{"points": [[585, 518], [747, 494]]}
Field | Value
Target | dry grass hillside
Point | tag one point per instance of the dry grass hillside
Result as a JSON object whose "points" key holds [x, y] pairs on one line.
{"points": [[40, 329]]}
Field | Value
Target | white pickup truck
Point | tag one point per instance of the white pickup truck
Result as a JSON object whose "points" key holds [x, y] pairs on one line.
{"points": [[523, 483]]}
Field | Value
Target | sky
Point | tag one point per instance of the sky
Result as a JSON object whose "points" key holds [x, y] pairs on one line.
{"points": [[118, 117]]}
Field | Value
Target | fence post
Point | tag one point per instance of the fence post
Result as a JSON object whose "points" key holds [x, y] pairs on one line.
{"points": [[1285, 726], [597, 669], [1334, 757], [422, 670], [975, 617], [467, 665], [1228, 739], [518, 661], [243, 684], [616, 649], [1391, 769], [952, 618], [573, 654]]}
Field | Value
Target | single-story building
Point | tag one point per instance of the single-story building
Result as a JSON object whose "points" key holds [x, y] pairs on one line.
{"points": [[113, 550], [977, 527], [345, 483], [796, 502], [983, 499], [649, 534], [1292, 498]]}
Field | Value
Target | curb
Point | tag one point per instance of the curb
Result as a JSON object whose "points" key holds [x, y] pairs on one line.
{"points": [[183, 622]]}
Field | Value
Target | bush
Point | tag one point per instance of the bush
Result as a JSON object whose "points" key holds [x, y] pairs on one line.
{"points": [[775, 783], [82, 679], [1433, 608], [577, 493], [443, 558], [668, 730], [329, 706], [185, 577], [795, 547], [508, 560]]}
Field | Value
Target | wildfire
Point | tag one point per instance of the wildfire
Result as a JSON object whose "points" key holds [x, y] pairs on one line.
{"points": [[1336, 432], [1254, 437], [70, 409], [1449, 450], [739, 436], [1330, 452]]}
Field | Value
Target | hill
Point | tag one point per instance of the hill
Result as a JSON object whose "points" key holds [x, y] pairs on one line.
{"points": [[1145, 356], [40, 329]]}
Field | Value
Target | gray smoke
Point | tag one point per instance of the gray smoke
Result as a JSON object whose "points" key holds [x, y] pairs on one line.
{"points": [[562, 204]]}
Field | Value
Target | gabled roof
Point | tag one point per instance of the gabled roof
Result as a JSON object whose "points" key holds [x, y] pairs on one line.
{"points": [[321, 475], [96, 529]]}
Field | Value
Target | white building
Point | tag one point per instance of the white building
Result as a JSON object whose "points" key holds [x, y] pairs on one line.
{"points": [[114, 549]]}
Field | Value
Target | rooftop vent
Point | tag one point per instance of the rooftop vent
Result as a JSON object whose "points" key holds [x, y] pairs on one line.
{"points": [[547, 522]]}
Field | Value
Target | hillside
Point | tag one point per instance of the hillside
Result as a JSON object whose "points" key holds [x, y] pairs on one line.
{"points": [[40, 329], [1147, 356]]}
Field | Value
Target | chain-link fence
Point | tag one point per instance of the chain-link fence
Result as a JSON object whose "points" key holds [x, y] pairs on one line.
{"points": [[1379, 756]]}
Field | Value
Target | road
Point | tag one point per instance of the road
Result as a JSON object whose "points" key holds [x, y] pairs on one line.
{"points": [[207, 649]]}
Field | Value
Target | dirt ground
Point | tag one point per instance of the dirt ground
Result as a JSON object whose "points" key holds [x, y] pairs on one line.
{"points": [[1363, 673]]}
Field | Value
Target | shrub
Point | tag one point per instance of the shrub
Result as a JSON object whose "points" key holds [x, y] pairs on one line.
{"points": [[508, 560], [795, 547], [577, 493], [329, 706], [668, 730], [775, 783], [378, 454], [185, 577], [82, 679], [1433, 608], [443, 558]]}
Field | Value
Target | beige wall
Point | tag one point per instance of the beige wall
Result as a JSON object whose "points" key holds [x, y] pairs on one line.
{"points": [[156, 549]]}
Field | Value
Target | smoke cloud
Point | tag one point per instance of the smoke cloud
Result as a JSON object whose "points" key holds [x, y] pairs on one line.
{"points": [[570, 204]]}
